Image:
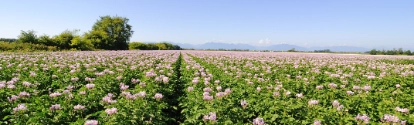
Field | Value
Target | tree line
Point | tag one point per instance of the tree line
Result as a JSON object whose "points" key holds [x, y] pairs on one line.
{"points": [[153, 46], [108, 33], [399, 51]]}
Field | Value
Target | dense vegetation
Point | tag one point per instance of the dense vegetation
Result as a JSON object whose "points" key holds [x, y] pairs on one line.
{"points": [[400, 51], [153, 46], [202, 87], [108, 33]]}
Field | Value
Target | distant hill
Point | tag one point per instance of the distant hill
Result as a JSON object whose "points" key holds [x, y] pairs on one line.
{"points": [[278, 47], [284, 47]]}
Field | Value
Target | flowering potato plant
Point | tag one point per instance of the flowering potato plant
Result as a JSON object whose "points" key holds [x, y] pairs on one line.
{"points": [[268, 88], [201, 87], [122, 87]]}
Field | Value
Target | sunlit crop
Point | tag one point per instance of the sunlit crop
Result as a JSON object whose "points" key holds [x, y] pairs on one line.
{"points": [[201, 87]]}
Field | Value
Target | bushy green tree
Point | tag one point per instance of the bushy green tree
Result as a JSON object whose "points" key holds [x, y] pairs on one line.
{"points": [[46, 40], [80, 44], [28, 37], [64, 39], [373, 52], [407, 52], [138, 45], [110, 33]]}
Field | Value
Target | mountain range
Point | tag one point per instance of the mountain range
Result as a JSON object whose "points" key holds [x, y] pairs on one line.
{"points": [[277, 47]]}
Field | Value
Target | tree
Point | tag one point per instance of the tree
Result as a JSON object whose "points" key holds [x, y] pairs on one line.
{"points": [[407, 52], [373, 52], [28, 37], [64, 39], [110, 33], [161, 46], [46, 40], [80, 44], [176, 47], [400, 51], [138, 45], [292, 50], [8, 40]]}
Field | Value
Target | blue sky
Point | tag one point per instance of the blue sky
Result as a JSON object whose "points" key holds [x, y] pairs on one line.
{"points": [[363, 23]]}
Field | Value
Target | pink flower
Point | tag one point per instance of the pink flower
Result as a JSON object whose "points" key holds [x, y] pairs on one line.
{"points": [[367, 88], [91, 122], [403, 110], [158, 96], [363, 118], [20, 107], [141, 94], [332, 85], [390, 118], [12, 98], [24, 94], [142, 84], [335, 103], [299, 95], [165, 79], [74, 79], [123, 86], [313, 102], [207, 97], [258, 121], [108, 99], [398, 86], [11, 86], [258, 89], [55, 107], [212, 117], [275, 94], [218, 88], [2, 85], [189, 89], [111, 111], [27, 84], [90, 86], [319, 87], [55, 94], [79, 107], [227, 91], [243, 103], [349, 92], [217, 81], [207, 90], [317, 122]]}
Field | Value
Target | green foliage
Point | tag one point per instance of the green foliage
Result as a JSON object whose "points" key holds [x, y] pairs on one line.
{"points": [[111, 33], [153, 46], [323, 51], [81, 44], [373, 52], [64, 39], [46, 40], [108, 33], [8, 39], [137, 45], [18, 46], [28, 37], [400, 51]]}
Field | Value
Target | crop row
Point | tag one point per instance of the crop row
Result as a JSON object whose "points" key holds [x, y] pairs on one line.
{"points": [[298, 89], [200, 87], [114, 87]]}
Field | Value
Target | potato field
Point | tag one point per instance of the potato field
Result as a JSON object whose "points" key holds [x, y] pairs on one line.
{"points": [[205, 87]]}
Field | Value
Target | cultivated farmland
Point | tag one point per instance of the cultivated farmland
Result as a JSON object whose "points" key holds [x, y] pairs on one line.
{"points": [[204, 87]]}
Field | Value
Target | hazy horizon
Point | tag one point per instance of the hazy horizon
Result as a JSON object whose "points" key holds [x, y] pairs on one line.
{"points": [[368, 24]]}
